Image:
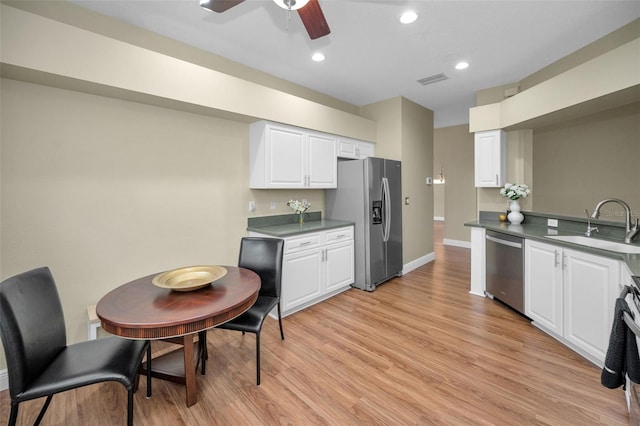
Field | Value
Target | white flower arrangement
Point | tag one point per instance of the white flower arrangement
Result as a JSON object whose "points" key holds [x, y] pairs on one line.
{"points": [[515, 191], [299, 207]]}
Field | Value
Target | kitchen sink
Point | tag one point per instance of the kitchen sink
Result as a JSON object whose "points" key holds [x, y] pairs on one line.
{"points": [[597, 243]]}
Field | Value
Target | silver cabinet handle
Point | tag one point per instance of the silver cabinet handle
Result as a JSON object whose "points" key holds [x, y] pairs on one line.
{"points": [[497, 180], [306, 243], [556, 258]]}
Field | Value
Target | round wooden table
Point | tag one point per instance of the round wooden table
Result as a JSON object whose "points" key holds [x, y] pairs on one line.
{"points": [[141, 310]]}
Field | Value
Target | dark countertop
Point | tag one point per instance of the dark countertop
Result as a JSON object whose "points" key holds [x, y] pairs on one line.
{"points": [[535, 227], [290, 229], [287, 225]]}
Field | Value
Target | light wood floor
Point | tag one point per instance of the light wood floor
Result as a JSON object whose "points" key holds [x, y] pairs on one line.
{"points": [[418, 350]]}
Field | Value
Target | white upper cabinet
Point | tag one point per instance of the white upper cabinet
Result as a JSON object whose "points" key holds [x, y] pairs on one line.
{"points": [[322, 170], [490, 154], [283, 156], [355, 149]]}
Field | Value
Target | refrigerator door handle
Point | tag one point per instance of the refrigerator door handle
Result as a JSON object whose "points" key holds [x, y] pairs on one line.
{"points": [[386, 213]]}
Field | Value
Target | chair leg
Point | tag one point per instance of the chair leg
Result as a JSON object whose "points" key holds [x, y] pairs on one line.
{"points": [[44, 409], [280, 321], [258, 358], [129, 406], [148, 369], [13, 417], [203, 352]]}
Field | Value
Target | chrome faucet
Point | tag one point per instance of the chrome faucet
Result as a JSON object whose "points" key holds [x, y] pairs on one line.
{"points": [[630, 232], [590, 228]]}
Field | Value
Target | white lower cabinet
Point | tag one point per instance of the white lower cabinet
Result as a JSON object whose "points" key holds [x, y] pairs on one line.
{"points": [[339, 260], [301, 278], [543, 285], [315, 267], [571, 295]]}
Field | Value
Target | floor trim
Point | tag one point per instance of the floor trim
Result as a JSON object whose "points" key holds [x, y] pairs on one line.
{"points": [[456, 243], [415, 264]]}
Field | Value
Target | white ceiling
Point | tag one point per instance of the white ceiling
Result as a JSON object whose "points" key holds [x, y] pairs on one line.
{"points": [[371, 57]]}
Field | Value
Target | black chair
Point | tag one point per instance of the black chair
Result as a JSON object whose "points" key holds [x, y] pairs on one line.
{"points": [[39, 361], [264, 257]]}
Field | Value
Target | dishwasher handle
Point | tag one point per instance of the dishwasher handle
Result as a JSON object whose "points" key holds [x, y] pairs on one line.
{"points": [[504, 242]]}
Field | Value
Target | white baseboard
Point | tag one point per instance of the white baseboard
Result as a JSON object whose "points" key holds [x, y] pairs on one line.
{"points": [[457, 243], [415, 264], [438, 218], [4, 380]]}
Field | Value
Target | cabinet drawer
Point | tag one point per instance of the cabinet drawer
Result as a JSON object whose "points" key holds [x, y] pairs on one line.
{"points": [[341, 234], [303, 242]]}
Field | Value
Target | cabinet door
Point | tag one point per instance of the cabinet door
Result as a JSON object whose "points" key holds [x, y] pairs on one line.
{"points": [[285, 158], [322, 166], [339, 265], [365, 149], [302, 278], [543, 285], [588, 312], [352, 148], [347, 148], [490, 158]]}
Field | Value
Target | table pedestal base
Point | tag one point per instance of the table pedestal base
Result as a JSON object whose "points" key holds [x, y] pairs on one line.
{"points": [[180, 365]]}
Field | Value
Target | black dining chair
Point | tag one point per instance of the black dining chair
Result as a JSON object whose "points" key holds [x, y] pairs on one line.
{"points": [[264, 257], [39, 361]]}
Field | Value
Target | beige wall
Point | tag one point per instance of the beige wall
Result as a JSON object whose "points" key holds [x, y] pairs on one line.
{"points": [[572, 165], [519, 169], [46, 51], [405, 133], [388, 117], [104, 185], [417, 164], [574, 157], [454, 146], [103, 191], [623, 35], [578, 163]]}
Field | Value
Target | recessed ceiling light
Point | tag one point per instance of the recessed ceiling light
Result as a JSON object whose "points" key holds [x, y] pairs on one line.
{"points": [[462, 65], [408, 17], [318, 57]]}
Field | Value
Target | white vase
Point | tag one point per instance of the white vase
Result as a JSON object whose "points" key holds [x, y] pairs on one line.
{"points": [[514, 215]]}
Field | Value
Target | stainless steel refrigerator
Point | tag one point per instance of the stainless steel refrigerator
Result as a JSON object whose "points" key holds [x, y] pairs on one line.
{"points": [[369, 194]]}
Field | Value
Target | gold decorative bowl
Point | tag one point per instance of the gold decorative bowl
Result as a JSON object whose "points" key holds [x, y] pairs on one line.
{"points": [[189, 278]]}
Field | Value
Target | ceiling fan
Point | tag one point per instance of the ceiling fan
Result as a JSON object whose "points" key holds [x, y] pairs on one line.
{"points": [[308, 10]]}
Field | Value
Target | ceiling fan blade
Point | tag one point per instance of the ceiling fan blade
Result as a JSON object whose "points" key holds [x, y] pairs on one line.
{"points": [[314, 20], [219, 5]]}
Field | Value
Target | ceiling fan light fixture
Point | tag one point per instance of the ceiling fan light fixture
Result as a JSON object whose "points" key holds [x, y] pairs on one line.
{"points": [[219, 6], [206, 4], [318, 57], [291, 4], [408, 17]]}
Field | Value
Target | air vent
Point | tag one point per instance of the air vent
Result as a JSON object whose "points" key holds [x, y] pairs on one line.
{"points": [[432, 79]]}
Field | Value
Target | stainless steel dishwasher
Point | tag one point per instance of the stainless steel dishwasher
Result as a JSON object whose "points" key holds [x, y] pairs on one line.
{"points": [[505, 269]]}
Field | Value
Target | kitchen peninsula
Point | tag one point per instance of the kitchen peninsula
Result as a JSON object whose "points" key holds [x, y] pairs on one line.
{"points": [[569, 289], [318, 258]]}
